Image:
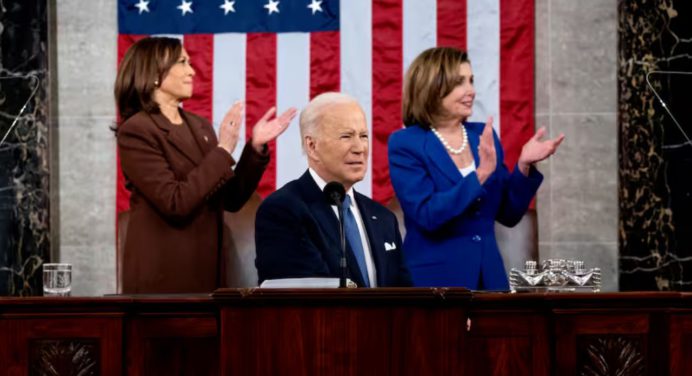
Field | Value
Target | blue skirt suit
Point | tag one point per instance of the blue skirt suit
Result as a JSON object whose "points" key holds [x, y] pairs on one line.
{"points": [[450, 232]]}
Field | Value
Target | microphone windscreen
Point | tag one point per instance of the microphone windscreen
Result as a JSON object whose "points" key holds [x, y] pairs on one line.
{"points": [[334, 192]]}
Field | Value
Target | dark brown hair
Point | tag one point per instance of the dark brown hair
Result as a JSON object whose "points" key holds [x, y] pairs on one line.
{"points": [[429, 78], [142, 69]]}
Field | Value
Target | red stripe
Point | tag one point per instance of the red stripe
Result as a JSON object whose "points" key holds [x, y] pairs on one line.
{"points": [[516, 76], [451, 23], [260, 95], [200, 47], [324, 62], [122, 195], [387, 73]]}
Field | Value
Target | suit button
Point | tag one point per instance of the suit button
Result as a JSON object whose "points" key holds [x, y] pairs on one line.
{"points": [[476, 238]]}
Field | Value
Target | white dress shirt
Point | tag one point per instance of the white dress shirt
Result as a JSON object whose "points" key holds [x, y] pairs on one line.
{"points": [[372, 273]]}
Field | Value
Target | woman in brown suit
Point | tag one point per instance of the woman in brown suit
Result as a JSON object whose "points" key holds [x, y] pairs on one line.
{"points": [[181, 177]]}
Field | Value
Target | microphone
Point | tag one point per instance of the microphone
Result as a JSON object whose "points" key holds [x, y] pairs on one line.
{"points": [[335, 193]]}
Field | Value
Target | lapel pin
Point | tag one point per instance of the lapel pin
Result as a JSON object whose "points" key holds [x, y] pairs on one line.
{"points": [[206, 139], [373, 217]]}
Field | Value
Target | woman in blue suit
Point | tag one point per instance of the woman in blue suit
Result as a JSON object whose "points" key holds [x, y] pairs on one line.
{"points": [[450, 180]]}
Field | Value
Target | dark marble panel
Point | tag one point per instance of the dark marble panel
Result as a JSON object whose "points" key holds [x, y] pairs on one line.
{"points": [[24, 203], [655, 152]]}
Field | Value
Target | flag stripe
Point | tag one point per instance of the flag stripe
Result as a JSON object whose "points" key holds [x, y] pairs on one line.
{"points": [[201, 47], [387, 82], [229, 80], [420, 28], [360, 47], [483, 40], [122, 195], [516, 77], [293, 90], [261, 95], [356, 66], [451, 23], [324, 62]]}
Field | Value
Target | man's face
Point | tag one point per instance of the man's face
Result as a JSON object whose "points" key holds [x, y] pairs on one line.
{"points": [[338, 150]]}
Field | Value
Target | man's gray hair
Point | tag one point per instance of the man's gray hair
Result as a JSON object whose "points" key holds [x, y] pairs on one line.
{"points": [[310, 116]]}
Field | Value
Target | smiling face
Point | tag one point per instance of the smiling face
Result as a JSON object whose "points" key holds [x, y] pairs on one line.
{"points": [[338, 148], [177, 82], [459, 102]]}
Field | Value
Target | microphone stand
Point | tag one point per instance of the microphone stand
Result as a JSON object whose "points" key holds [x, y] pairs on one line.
{"points": [[335, 193], [342, 240]]}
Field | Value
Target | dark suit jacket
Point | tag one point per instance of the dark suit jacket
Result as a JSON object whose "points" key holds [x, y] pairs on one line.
{"points": [[297, 235], [450, 219], [180, 187]]}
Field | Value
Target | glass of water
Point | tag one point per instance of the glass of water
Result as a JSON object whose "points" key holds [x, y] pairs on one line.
{"points": [[57, 279]]}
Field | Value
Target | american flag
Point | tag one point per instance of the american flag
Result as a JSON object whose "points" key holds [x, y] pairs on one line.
{"points": [[284, 52]]}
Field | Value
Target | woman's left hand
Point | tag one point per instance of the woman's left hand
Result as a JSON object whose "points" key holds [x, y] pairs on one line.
{"points": [[267, 130], [536, 150]]}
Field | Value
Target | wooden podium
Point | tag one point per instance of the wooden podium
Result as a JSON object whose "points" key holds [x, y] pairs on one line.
{"points": [[349, 332]]}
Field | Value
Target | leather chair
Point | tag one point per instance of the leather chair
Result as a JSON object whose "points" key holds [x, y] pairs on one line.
{"points": [[240, 251], [516, 244]]}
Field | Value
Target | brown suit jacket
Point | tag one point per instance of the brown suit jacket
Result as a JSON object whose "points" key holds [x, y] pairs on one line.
{"points": [[180, 187]]}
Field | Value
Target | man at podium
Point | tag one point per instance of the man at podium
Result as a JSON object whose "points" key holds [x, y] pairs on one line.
{"points": [[297, 229]]}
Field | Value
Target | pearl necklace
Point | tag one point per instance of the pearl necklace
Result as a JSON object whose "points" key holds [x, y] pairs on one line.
{"points": [[464, 141]]}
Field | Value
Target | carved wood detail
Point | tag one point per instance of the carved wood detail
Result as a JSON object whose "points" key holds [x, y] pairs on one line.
{"points": [[604, 355], [71, 357]]}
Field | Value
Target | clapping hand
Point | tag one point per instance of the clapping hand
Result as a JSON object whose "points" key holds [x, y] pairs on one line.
{"points": [[536, 150], [230, 127], [267, 130], [486, 153]]}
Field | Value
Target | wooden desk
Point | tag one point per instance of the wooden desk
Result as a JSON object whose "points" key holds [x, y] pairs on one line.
{"points": [[349, 332]]}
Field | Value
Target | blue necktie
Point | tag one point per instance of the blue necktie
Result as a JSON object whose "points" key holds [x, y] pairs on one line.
{"points": [[353, 237]]}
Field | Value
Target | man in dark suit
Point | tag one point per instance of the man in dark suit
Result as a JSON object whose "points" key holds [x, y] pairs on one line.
{"points": [[296, 229]]}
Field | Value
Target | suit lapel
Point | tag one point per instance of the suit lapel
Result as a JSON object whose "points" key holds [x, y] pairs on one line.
{"points": [[203, 133], [177, 136], [320, 208], [474, 140], [328, 222], [370, 222], [439, 157]]}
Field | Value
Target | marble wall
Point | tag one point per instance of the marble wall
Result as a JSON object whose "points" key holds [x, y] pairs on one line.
{"points": [[24, 155], [576, 94], [655, 148]]}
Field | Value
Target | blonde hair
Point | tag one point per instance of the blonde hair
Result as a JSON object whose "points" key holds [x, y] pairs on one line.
{"points": [[429, 78]]}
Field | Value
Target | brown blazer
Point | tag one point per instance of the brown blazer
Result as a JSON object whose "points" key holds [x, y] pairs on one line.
{"points": [[180, 187]]}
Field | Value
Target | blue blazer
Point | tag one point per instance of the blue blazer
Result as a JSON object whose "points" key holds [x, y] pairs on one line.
{"points": [[450, 232], [297, 235]]}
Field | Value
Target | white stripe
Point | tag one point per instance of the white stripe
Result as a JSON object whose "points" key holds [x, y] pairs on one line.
{"points": [[356, 65], [420, 28], [292, 90], [229, 79], [483, 41]]}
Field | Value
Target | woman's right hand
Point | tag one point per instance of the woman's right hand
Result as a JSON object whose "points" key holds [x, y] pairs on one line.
{"points": [[486, 153], [229, 130]]}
